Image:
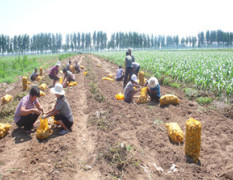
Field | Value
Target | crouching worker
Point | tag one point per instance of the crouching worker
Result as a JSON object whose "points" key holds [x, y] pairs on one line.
{"points": [[26, 114], [153, 89], [77, 67], [53, 74], [68, 77], [34, 75], [120, 74], [61, 111], [129, 91]]}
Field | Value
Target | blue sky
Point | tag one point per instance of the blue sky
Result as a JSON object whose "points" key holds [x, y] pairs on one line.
{"points": [[168, 17]]}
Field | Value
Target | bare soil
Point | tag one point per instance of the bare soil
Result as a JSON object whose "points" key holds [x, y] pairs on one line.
{"points": [[111, 139]]}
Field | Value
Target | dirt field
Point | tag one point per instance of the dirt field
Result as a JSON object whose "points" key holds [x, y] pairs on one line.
{"points": [[111, 139]]}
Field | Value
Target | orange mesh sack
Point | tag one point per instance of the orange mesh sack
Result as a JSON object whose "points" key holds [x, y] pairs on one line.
{"points": [[143, 96], [119, 96], [6, 99], [72, 83], [174, 132], [193, 139], [4, 128], [43, 131]]}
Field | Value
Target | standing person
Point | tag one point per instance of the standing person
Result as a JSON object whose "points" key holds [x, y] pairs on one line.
{"points": [[77, 67], [129, 91], [26, 114], [68, 65], [136, 68], [130, 53], [68, 77], [34, 75], [153, 89], [62, 112], [53, 74], [128, 68], [120, 74]]}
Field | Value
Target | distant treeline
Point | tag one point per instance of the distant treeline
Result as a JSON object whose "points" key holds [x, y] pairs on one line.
{"points": [[49, 42]]}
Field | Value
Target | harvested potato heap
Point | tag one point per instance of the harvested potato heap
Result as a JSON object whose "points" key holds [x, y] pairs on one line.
{"points": [[42, 93], [4, 128], [141, 78], [193, 139], [98, 65], [43, 131], [119, 96], [107, 78], [82, 67], [61, 80], [6, 99], [143, 96], [41, 71], [169, 99], [174, 132], [43, 87], [72, 83], [110, 75], [25, 84], [38, 78], [85, 73]]}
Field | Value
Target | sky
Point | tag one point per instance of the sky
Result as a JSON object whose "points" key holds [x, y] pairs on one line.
{"points": [[165, 17]]}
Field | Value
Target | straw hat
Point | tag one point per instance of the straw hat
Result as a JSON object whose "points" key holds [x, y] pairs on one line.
{"points": [[134, 78], [152, 82], [58, 89]]}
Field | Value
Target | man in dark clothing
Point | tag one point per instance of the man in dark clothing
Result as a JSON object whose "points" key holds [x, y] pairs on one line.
{"points": [[128, 68]]}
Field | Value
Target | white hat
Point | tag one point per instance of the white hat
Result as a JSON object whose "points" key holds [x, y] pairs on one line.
{"points": [[152, 82], [134, 78], [58, 89], [58, 63]]}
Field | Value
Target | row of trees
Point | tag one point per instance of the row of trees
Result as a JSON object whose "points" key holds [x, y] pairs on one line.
{"points": [[49, 42]]}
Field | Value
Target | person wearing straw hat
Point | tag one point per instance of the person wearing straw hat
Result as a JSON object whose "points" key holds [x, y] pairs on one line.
{"points": [[53, 74], [129, 91], [62, 112], [153, 89]]}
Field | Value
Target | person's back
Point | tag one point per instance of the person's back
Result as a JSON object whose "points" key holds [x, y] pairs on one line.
{"points": [[129, 61], [120, 74]]}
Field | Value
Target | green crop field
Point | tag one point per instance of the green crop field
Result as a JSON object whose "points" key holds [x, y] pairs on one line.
{"points": [[13, 66], [210, 70]]}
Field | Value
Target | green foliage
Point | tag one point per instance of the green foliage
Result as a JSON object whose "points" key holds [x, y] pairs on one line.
{"points": [[204, 100], [175, 85], [191, 93], [167, 81], [210, 70]]}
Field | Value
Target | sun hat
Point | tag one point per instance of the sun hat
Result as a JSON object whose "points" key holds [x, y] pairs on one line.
{"points": [[58, 89], [134, 78], [58, 63], [152, 82]]}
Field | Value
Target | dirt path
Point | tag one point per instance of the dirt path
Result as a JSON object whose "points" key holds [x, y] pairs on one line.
{"points": [[112, 139]]}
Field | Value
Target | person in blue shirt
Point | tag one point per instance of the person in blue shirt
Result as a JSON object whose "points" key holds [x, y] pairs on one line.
{"points": [[34, 75], [153, 89], [120, 74]]}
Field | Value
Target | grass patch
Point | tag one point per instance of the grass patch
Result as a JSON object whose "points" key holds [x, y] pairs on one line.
{"points": [[204, 100], [98, 96], [167, 81], [191, 93], [175, 85]]}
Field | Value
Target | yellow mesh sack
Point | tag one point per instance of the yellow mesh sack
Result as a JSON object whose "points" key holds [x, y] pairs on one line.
{"points": [[25, 83], [169, 99], [38, 78], [72, 83], [85, 73], [72, 69], [42, 93], [43, 131], [4, 128], [43, 87], [41, 71], [28, 82], [61, 80], [107, 78], [119, 96], [193, 139], [174, 132], [6, 99], [110, 75], [98, 65], [82, 67], [141, 76], [143, 96]]}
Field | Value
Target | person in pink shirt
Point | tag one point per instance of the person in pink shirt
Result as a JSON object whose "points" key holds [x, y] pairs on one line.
{"points": [[28, 110], [53, 74]]}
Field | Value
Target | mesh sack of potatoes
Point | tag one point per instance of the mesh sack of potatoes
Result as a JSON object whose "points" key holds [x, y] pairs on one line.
{"points": [[6, 99], [143, 96], [169, 99], [4, 128], [25, 83], [141, 76], [193, 139], [43, 87], [43, 131], [174, 132]]}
